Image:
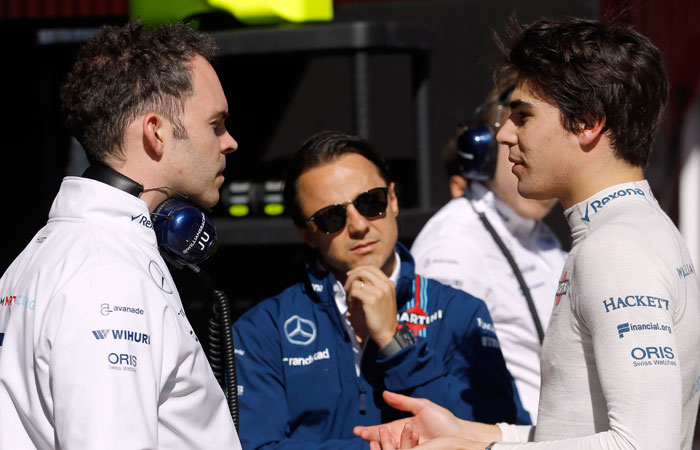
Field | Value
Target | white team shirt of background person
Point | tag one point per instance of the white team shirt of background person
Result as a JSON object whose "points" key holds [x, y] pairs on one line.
{"points": [[96, 350], [341, 302], [455, 248], [620, 362]]}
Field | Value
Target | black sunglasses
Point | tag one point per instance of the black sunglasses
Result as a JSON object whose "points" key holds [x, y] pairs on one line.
{"points": [[370, 204]]}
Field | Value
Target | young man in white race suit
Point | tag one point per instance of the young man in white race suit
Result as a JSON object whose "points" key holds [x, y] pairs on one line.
{"points": [[95, 349], [620, 363]]}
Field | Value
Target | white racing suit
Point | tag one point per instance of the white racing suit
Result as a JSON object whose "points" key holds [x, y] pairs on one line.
{"points": [[620, 361], [95, 349]]}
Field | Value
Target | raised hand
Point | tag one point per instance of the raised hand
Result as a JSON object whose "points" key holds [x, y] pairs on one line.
{"points": [[370, 290]]}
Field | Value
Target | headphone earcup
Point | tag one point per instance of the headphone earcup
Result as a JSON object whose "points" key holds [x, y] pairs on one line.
{"points": [[477, 151], [184, 231]]}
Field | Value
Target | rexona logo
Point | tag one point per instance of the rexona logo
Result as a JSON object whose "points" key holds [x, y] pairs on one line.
{"points": [[305, 361], [106, 310], [122, 361], [651, 326], [653, 356], [416, 319], [19, 301], [122, 335], [596, 205], [685, 270], [142, 220], [634, 301]]}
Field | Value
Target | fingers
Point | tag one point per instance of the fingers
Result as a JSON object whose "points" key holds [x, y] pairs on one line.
{"points": [[369, 275], [404, 403], [367, 433], [385, 439], [407, 436]]}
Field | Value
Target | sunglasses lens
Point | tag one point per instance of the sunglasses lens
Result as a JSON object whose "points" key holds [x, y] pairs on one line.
{"points": [[331, 219], [372, 203]]}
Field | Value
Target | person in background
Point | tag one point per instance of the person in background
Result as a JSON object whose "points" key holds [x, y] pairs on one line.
{"points": [[312, 361], [620, 362], [492, 243], [95, 349]]}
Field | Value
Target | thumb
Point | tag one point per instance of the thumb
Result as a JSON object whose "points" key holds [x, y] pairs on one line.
{"points": [[403, 402]]}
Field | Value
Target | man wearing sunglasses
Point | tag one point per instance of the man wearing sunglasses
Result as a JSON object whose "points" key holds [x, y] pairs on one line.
{"points": [[312, 361]]}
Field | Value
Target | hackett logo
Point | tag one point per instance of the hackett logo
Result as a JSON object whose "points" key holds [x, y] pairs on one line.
{"points": [[634, 301]]}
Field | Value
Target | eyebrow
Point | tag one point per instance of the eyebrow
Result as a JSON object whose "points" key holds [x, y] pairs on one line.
{"points": [[520, 104], [220, 116]]}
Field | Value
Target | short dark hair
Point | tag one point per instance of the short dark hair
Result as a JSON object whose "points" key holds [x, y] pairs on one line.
{"points": [[594, 72], [123, 72], [322, 148]]}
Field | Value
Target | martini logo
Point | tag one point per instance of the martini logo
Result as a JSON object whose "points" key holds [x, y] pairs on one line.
{"points": [[563, 287], [416, 319]]}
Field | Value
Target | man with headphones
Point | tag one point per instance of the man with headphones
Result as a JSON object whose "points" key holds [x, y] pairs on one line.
{"points": [[95, 349], [491, 242]]}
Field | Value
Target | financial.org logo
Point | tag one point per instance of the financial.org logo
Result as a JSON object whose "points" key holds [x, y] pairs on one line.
{"points": [[651, 326]]}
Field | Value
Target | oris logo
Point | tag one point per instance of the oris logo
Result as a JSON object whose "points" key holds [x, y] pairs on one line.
{"points": [[657, 356], [122, 359]]}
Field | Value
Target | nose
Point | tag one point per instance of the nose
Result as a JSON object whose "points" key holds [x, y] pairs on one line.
{"points": [[357, 224], [506, 134], [228, 144]]}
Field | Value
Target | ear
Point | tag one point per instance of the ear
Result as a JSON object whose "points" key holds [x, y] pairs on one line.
{"points": [[393, 200], [306, 236], [457, 186], [590, 134], [153, 133]]}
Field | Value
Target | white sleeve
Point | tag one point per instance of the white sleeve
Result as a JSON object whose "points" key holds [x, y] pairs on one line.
{"points": [[643, 398], [516, 433], [454, 261], [106, 365]]}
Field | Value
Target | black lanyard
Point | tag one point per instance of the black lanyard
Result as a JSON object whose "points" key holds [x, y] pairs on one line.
{"points": [[516, 271]]}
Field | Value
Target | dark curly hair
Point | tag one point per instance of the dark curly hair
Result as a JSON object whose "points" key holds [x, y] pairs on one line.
{"points": [[123, 72], [322, 148], [594, 72]]}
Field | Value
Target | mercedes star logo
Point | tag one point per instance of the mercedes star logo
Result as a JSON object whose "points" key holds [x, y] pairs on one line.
{"points": [[299, 331]]}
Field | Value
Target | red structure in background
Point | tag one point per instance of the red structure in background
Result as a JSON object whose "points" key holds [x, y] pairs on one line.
{"points": [[61, 9], [674, 27]]}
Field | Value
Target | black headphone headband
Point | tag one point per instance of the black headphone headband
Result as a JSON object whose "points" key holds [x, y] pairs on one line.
{"points": [[477, 149], [185, 234], [109, 176]]}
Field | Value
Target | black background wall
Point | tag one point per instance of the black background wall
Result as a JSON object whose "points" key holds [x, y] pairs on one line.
{"points": [[276, 102]]}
